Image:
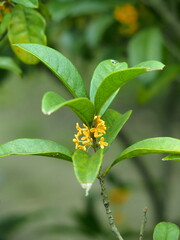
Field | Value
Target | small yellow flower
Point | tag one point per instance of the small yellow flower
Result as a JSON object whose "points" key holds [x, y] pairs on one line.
{"points": [[78, 128], [102, 143], [82, 148], [84, 137], [76, 141], [99, 128]]}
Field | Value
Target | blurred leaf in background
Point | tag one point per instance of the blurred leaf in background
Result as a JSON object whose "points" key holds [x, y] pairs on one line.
{"points": [[21, 23], [26, 26], [10, 65], [146, 45]]}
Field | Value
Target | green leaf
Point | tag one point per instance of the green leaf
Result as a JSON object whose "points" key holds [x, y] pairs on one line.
{"points": [[26, 26], [166, 231], [150, 65], [9, 64], [149, 146], [96, 29], [144, 46], [75, 8], [38, 147], [103, 69], [87, 167], [114, 122], [167, 76], [83, 107], [5, 22], [101, 72], [116, 80], [27, 3], [175, 157], [59, 65]]}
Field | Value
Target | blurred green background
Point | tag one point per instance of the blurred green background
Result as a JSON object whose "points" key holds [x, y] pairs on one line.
{"points": [[40, 197]]}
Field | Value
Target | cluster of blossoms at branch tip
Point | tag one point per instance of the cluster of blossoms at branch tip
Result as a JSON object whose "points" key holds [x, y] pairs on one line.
{"points": [[85, 137]]}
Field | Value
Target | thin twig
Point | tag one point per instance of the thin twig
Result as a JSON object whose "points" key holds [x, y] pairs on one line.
{"points": [[107, 208], [144, 221], [105, 198]]}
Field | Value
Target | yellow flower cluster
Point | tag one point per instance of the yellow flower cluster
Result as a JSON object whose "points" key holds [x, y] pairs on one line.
{"points": [[5, 7], [86, 137], [127, 15], [82, 137]]}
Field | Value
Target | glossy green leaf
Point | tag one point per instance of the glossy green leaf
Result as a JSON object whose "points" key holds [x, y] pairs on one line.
{"points": [[108, 102], [114, 122], [166, 231], [174, 157], [102, 71], [9, 64], [59, 65], [26, 26], [38, 147], [27, 3], [87, 167], [83, 107], [166, 77], [116, 80], [144, 46], [150, 65], [149, 146]]}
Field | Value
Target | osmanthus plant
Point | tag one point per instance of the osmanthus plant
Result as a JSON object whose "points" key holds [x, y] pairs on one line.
{"points": [[100, 124]]}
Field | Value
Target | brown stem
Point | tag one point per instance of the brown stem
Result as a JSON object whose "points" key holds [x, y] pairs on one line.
{"points": [[108, 209], [143, 224], [105, 199]]}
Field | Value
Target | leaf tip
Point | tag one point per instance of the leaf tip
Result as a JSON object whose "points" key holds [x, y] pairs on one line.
{"points": [[130, 111], [87, 187], [46, 113], [156, 69]]}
